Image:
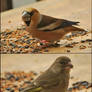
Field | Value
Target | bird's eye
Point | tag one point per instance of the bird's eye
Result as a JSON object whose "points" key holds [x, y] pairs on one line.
{"points": [[26, 17], [31, 14], [63, 63]]}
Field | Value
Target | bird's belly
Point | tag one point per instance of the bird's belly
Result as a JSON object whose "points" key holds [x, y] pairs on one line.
{"points": [[62, 87], [48, 36], [56, 89]]}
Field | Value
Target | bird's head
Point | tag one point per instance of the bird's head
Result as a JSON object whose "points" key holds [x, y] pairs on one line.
{"points": [[30, 15], [63, 63]]}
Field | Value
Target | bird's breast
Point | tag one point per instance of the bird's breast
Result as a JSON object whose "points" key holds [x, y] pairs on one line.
{"points": [[48, 36]]}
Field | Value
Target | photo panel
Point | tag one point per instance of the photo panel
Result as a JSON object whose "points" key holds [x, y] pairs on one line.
{"points": [[45, 28], [23, 69]]}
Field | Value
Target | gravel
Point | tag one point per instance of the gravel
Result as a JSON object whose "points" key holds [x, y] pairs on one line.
{"points": [[20, 41]]}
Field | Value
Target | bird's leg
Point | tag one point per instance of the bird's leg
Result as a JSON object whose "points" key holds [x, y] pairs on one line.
{"points": [[52, 44], [43, 44]]}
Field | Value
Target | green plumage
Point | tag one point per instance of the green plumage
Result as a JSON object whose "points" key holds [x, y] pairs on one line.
{"points": [[35, 90], [54, 79]]}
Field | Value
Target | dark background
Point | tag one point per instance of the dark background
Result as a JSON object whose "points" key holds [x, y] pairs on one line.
{"points": [[10, 4]]}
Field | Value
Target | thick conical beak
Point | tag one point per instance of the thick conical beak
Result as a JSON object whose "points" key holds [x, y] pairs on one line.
{"points": [[69, 66], [27, 23], [26, 18]]}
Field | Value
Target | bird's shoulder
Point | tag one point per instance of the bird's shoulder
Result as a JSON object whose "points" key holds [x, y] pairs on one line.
{"points": [[46, 20]]}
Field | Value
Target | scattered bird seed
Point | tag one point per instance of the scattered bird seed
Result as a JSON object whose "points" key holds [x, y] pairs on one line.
{"points": [[68, 51], [80, 85], [15, 81], [89, 40], [69, 45], [20, 41], [82, 47]]}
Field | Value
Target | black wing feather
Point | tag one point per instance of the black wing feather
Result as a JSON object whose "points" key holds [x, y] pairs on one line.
{"points": [[50, 23]]}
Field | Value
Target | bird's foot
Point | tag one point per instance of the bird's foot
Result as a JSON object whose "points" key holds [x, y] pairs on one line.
{"points": [[43, 44]]}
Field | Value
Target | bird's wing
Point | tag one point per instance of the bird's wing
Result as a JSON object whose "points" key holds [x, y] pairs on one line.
{"points": [[48, 79], [45, 21], [52, 24]]}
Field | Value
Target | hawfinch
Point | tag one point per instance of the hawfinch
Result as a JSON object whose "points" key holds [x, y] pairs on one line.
{"points": [[47, 28]]}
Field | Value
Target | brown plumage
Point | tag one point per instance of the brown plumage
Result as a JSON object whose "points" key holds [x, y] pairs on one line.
{"points": [[54, 79], [45, 27]]}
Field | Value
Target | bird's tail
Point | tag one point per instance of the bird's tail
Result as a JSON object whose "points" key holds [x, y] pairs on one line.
{"points": [[77, 29]]}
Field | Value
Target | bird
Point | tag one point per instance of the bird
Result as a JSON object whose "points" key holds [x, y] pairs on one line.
{"points": [[44, 27], [54, 79]]}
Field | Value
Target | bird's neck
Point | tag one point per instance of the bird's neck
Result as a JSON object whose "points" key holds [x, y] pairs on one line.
{"points": [[66, 73], [35, 22]]}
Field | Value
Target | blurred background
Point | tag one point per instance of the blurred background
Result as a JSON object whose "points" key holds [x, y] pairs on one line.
{"points": [[10, 4]]}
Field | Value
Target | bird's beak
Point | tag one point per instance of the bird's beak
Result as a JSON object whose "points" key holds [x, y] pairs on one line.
{"points": [[69, 66], [26, 18], [27, 23]]}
